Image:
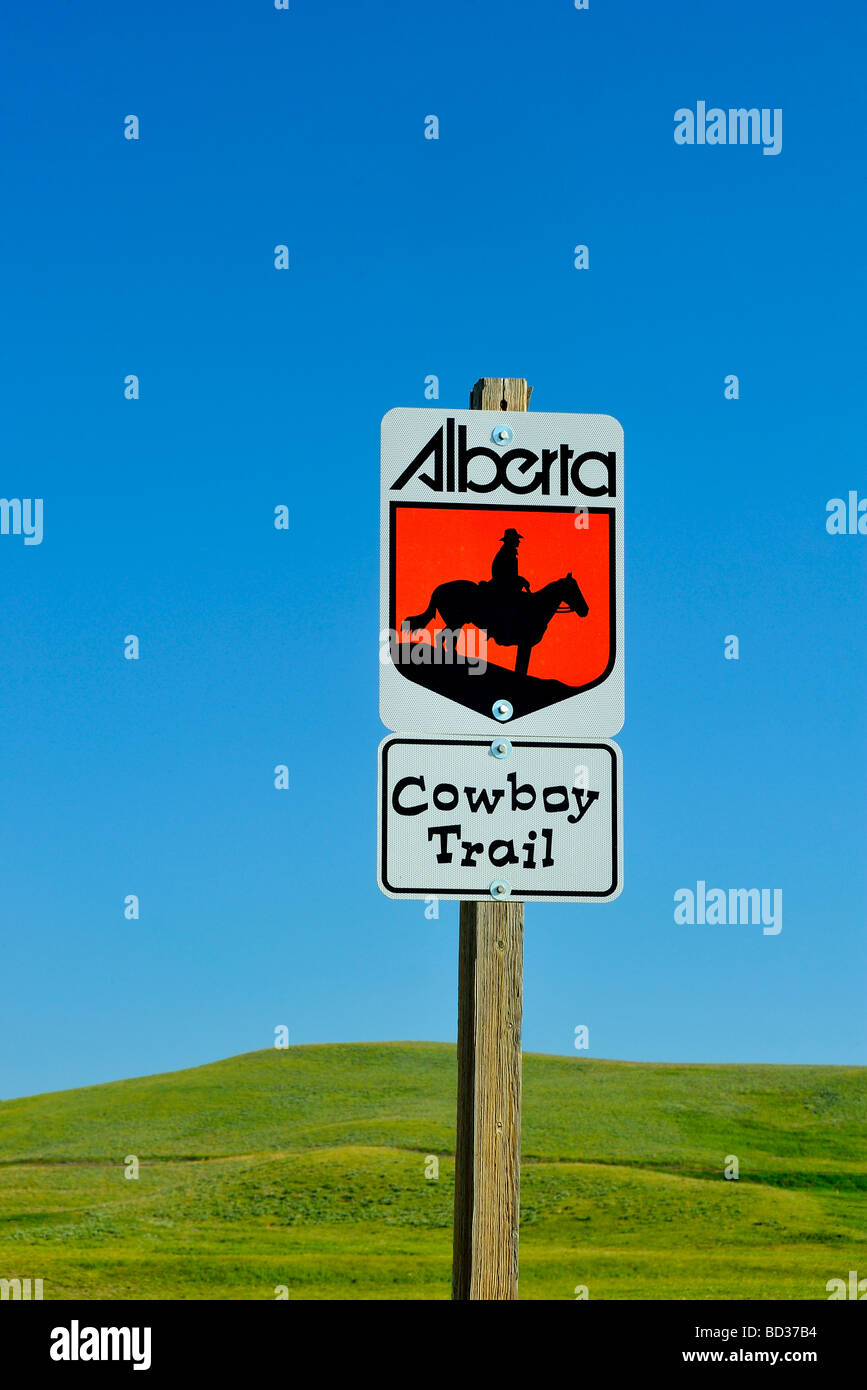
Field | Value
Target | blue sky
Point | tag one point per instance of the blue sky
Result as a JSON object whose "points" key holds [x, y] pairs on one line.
{"points": [[258, 387]]}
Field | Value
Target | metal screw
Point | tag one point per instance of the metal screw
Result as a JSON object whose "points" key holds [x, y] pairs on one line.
{"points": [[502, 710], [501, 748], [500, 888], [501, 434]]}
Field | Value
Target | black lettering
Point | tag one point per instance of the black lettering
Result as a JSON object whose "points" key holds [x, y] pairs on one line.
{"points": [[607, 488], [582, 808], [549, 458], [524, 790], [434, 446], [451, 467], [395, 797], [562, 803], [464, 456], [444, 831], [441, 791], [482, 798], [529, 460], [565, 455]]}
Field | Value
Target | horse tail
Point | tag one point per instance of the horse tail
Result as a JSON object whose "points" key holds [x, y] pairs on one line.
{"points": [[422, 619]]}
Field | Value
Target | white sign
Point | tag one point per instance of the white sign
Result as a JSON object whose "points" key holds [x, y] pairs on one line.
{"points": [[501, 572], [472, 818]]}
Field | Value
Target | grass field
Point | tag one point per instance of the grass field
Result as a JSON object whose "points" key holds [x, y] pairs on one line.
{"points": [[306, 1168]]}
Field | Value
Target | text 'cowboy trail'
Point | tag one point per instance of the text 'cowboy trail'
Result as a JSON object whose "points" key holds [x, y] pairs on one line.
{"points": [[447, 840]]}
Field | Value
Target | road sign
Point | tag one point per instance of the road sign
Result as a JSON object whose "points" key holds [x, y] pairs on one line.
{"points": [[473, 818], [501, 598]]}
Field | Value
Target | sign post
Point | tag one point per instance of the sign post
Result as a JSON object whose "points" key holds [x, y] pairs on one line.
{"points": [[490, 1008], [501, 675]]}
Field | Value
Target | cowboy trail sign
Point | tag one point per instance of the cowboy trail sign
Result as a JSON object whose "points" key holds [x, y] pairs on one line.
{"points": [[501, 573], [472, 818], [501, 631]]}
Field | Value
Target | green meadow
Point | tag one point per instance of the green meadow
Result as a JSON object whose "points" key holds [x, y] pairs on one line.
{"points": [[305, 1168]]}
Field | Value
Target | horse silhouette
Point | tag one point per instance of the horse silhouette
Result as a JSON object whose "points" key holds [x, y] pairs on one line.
{"points": [[515, 621]]}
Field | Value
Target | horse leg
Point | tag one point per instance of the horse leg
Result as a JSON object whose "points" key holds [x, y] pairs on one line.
{"points": [[445, 640], [522, 660]]}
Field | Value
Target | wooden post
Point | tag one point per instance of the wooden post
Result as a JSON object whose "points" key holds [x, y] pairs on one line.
{"points": [[490, 992]]}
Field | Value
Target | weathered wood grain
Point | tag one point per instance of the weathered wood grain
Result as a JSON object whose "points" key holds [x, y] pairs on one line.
{"points": [[490, 997]]}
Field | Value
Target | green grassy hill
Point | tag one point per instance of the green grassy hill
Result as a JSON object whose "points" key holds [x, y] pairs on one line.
{"points": [[306, 1168]]}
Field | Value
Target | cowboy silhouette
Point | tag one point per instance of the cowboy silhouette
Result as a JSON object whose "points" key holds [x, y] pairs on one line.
{"points": [[504, 606], [507, 582]]}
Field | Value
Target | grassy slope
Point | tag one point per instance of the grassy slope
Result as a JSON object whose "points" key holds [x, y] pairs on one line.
{"points": [[305, 1167]]}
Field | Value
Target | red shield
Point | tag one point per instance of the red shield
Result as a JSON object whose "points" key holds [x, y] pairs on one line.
{"points": [[538, 611]]}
